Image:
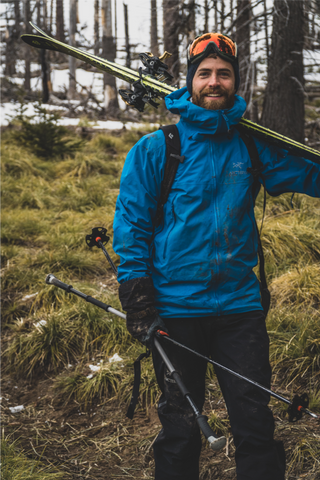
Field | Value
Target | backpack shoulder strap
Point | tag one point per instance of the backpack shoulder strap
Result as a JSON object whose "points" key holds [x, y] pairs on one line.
{"points": [[256, 167], [173, 158]]}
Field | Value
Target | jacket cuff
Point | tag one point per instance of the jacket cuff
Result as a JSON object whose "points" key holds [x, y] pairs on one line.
{"points": [[137, 294]]}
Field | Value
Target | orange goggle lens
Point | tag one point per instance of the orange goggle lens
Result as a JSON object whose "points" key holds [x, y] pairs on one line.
{"points": [[224, 44]]}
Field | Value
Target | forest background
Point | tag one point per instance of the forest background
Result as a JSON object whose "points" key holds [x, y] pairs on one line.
{"points": [[67, 367]]}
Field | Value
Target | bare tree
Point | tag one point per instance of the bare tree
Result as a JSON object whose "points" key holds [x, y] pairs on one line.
{"points": [[60, 21], [12, 35], [154, 29], [243, 41], [72, 41], [96, 27], [191, 20], [108, 50], [126, 30], [206, 16], [171, 27], [283, 108], [27, 57]]}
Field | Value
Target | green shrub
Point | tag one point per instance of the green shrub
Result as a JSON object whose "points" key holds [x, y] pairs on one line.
{"points": [[44, 137]]}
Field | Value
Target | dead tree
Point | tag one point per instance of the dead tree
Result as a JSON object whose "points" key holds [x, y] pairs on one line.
{"points": [[12, 35], [154, 29], [126, 31], [171, 28], [96, 28], [60, 21], [206, 16], [27, 57], [111, 103], [72, 41], [191, 20], [283, 108], [243, 41]]}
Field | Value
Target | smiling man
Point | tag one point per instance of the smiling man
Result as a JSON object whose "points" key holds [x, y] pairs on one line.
{"points": [[213, 85], [192, 273]]}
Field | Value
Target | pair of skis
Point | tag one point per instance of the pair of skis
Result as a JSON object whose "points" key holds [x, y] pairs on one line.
{"points": [[149, 85]]}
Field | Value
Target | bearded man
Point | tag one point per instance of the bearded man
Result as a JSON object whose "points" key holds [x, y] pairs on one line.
{"points": [[193, 274]]}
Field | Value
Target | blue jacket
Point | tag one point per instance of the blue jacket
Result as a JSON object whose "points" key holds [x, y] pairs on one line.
{"points": [[202, 256]]}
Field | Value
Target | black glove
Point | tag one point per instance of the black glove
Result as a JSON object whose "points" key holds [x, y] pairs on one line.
{"points": [[137, 298]]}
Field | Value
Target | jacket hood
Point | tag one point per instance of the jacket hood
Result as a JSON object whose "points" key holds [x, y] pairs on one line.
{"points": [[203, 121]]}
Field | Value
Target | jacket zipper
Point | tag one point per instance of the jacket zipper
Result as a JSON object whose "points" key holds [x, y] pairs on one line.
{"points": [[169, 233], [216, 227]]}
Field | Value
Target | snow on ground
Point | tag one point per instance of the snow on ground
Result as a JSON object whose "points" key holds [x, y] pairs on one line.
{"points": [[9, 109]]}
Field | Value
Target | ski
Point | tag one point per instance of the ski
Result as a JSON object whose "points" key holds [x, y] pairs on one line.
{"points": [[149, 85]]}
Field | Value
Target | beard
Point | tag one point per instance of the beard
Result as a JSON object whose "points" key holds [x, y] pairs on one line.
{"points": [[225, 101]]}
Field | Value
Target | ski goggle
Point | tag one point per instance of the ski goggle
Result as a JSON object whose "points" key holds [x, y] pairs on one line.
{"points": [[218, 43]]}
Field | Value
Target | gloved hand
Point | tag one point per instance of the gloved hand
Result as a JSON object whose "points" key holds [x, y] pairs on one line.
{"points": [[144, 325], [137, 298]]}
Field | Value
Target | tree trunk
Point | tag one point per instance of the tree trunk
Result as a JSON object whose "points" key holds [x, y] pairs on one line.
{"points": [[215, 7], [72, 42], [243, 41], [266, 31], [27, 76], [60, 21], [108, 51], [206, 16], [222, 16], [154, 29], [191, 26], [10, 58], [96, 27], [12, 38], [45, 64], [171, 25], [126, 30], [283, 108]]}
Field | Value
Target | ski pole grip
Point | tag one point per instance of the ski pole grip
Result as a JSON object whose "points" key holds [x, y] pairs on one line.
{"points": [[52, 280], [216, 443]]}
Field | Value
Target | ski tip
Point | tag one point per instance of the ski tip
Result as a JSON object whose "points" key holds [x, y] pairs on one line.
{"points": [[217, 443]]}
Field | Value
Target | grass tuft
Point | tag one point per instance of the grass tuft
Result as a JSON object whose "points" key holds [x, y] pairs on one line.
{"points": [[17, 465]]}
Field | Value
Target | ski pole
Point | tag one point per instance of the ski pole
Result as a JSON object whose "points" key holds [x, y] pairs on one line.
{"points": [[215, 442], [99, 238], [52, 280], [296, 407]]}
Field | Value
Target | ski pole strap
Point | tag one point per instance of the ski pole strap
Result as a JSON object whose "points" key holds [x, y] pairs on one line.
{"points": [[136, 384]]}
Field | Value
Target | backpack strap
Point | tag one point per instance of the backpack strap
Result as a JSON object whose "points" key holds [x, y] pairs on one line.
{"points": [[255, 170], [173, 159]]}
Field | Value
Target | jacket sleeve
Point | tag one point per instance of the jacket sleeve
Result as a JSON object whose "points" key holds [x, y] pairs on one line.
{"points": [[283, 172], [136, 206]]}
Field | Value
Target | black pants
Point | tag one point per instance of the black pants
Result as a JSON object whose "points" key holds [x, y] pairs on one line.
{"points": [[240, 342]]}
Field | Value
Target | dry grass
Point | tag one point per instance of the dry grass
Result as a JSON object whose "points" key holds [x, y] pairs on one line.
{"points": [[47, 210]]}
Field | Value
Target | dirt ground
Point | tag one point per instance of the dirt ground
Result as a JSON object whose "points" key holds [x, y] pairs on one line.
{"points": [[103, 444]]}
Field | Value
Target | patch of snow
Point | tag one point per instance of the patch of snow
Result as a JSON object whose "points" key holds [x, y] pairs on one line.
{"points": [[16, 409], [115, 358], [89, 376], [27, 297], [40, 323], [94, 368]]}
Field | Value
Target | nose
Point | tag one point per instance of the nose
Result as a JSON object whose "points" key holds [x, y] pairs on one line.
{"points": [[213, 80]]}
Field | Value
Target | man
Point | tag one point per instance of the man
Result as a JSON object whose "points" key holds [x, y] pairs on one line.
{"points": [[193, 273]]}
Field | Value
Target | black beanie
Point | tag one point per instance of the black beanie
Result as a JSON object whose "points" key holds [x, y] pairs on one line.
{"points": [[193, 67]]}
